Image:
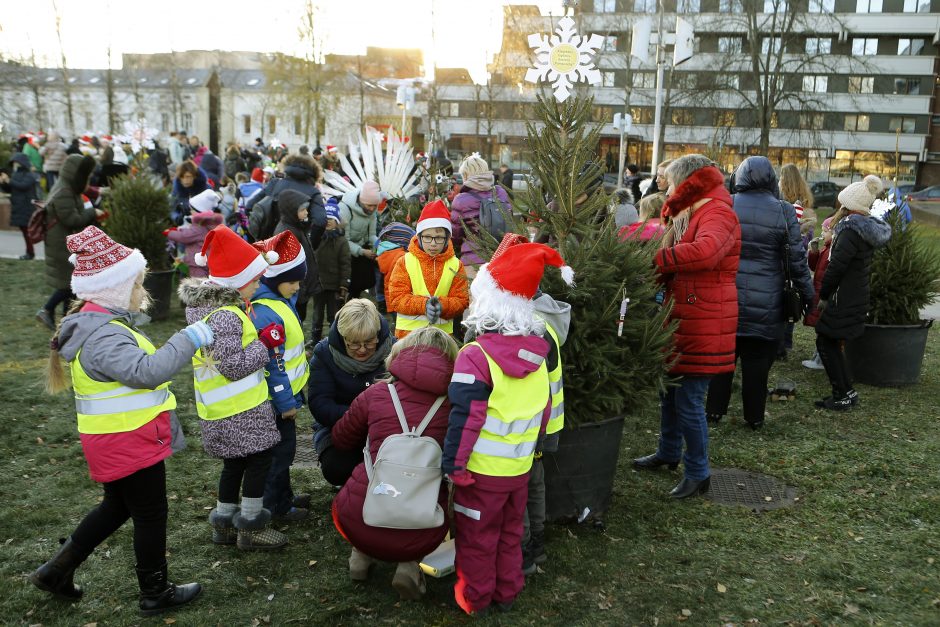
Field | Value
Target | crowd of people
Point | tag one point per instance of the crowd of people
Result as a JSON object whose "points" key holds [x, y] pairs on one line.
{"points": [[449, 348]]}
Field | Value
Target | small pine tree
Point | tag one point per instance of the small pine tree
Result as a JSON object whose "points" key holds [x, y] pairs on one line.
{"points": [[905, 275], [139, 209], [605, 374]]}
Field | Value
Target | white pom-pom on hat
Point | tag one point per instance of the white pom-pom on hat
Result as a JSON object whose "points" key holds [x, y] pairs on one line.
{"points": [[271, 257], [567, 274], [201, 260], [73, 258]]}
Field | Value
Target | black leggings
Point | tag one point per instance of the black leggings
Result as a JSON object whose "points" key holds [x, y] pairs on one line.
{"points": [[141, 496], [757, 356], [247, 474], [337, 466], [832, 355], [63, 296]]}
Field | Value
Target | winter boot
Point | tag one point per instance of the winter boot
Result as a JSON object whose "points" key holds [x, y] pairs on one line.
{"points": [[159, 595], [55, 576], [359, 565], [254, 533], [815, 363], [223, 532], [533, 553], [409, 581]]}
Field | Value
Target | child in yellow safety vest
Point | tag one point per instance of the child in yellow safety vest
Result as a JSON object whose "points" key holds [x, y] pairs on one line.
{"points": [[501, 402], [428, 286], [126, 416], [287, 371], [236, 417]]}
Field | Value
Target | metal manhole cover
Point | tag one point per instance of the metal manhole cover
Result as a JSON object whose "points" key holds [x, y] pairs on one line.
{"points": [[305, 457], [731, 486]]}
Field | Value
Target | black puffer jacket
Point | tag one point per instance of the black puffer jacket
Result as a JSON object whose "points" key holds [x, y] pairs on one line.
{"points": [[301, 179], [766, 223], [846, 284]]}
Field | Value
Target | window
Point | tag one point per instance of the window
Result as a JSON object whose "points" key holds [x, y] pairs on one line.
{"points": [[607, 79], [683, 117], [868, 6], [644, 80], [642, 115], [298, 125], [728, 81], [774, 120], [644, 6], [857, 122], [771, 43], [605, 6], [775, 6], [610, 44], [684, 80], [818, 45], [730, 6], [604, 115], [822, 6], [863, 46], [861, 84], [816, 83], [905, 124], [907, 86], [246, 124], [272, 124], [454, 109], [811, 121], [187, 120], [730, 45], [688, 6], [165, 122], [917, 6], [90, 122], [910, 46], [725, 118]]}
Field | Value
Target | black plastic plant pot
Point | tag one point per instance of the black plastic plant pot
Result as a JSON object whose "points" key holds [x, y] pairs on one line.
{"points": [[160, 287], [579, 477], [888, 355]]}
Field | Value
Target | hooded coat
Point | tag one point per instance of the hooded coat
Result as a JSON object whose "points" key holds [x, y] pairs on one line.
{"points": [[22, 189], [288, 203], [66, 207], [334, 260], [361, 227], [253, 430], [465, 220], [699, 274], [766, 224], [301, 179], [846, 284], [192, 237], [422, 375], [109, 352]]}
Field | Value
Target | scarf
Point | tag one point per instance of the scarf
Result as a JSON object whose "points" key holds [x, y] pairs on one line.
{"points": [[677, 228], [355, 367], [482, 182]]}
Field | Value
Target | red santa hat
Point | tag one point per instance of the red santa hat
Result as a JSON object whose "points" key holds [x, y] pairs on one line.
{"points": [[286, 254], [101, 264], [331, 149], [434, 215], [232, 261]]}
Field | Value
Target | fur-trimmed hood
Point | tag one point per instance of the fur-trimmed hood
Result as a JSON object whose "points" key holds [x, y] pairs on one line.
{"points": [[872, 230], [707, 182], [202, 296]]}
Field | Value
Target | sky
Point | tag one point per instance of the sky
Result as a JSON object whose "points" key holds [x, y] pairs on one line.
{"points": [[467, 32]]}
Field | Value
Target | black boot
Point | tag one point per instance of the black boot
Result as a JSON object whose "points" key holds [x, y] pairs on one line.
{"points": [[690, 487], [158, 595], [652, 462], [55, 576]]}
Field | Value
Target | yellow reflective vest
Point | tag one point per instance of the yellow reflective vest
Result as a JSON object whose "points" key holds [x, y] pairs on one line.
{"points": [[408, 323], [218, 397], [557, 386], [506, 445], [295, 360], [112, 407]]}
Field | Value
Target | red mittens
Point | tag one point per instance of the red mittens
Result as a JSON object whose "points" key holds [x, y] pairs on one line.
{"points": [[272, 335]]}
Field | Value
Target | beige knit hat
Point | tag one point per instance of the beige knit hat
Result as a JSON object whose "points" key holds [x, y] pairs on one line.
{"points": [[859, 196], [474, 164]]}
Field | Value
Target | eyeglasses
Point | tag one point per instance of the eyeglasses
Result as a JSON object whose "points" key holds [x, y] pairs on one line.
{"points": [[433, 239], [356, 346]]}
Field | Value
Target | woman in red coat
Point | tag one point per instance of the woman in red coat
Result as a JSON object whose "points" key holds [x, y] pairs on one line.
{"points": [[699, 263], [421, 365]]}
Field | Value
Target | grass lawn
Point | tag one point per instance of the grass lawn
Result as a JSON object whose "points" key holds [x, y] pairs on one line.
{"points": [[861, 546]]}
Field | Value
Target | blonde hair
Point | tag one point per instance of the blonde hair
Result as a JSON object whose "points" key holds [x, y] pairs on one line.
{"points": [[793, 188], [429, 337], [652, 205], [664, 164], [473, 164], [56, 379], [358, 320]]}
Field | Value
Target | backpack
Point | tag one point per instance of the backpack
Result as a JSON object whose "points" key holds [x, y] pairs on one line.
{"points": [[38, 226], [493, 216], [263, 218], [405, 481]]}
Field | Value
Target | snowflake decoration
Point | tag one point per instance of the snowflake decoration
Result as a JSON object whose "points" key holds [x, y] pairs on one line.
{"points": [[565, 58], [881, 208], [206, 365]]}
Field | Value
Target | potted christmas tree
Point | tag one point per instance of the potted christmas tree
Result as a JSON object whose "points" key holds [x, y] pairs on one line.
{"points": [[619, 339], [138, 208], [905, 277]]}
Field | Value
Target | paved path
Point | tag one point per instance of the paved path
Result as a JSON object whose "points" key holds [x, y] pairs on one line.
{"points": [[12, 245]]}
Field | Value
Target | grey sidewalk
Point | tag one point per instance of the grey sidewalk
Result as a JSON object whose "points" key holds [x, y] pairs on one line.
{"points": [[12, 245]]}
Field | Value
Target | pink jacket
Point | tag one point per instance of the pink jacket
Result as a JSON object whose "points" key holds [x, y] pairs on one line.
{"points": [[645, 230], [192, 238]]}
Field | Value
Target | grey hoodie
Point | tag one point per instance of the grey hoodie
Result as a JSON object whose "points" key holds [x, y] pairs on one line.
{"points": [[109, 352], [556, 314]]}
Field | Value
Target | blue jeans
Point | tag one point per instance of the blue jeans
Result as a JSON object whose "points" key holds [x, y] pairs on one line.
{"points": [[278, 496], [682, 416]]}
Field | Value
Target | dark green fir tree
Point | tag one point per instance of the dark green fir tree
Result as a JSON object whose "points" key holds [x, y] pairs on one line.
{"points": [[139, 210]]}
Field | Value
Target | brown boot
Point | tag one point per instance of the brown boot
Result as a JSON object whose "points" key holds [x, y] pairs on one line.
{"points": [[409, 581], [359, 565]]}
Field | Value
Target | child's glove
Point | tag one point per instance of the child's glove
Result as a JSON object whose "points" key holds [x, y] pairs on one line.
{"points": [[199, 333], [463, 478], [167, 231], [272, 335], [433, 309]]}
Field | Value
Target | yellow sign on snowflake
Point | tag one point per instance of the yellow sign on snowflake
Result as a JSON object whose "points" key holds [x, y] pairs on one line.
{"points": [[564, 59]]}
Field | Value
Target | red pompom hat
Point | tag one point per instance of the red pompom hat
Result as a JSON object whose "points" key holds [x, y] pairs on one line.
{"points": [[519, 268], [291, 260], [434, 215], [100, 262], [232, 261]]}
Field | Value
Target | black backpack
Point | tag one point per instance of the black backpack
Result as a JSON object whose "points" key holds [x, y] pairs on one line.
{"points": [[493, 216], [264, 218]]}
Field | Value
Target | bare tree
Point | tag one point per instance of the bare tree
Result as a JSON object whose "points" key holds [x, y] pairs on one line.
{"points": [[66, 85]]}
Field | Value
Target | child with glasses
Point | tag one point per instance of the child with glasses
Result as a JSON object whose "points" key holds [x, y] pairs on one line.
{"points": [[428, 286]]}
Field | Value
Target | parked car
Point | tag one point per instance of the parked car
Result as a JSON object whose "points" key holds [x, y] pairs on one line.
{"points": [[930, 194], [520, 182], [825, 193]]}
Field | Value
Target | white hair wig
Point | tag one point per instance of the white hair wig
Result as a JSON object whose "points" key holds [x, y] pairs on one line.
{"points": [[494, 310]]}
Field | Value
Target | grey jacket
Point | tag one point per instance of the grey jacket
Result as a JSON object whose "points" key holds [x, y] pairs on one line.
{"points": [[361, 227], [556, 314]]}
